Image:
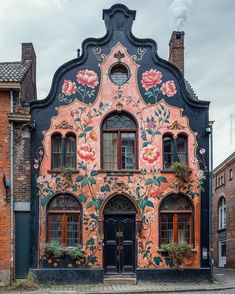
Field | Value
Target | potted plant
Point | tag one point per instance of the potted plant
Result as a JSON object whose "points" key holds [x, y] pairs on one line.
{"points": [[178, 253], [54, 249], [182, 171]]}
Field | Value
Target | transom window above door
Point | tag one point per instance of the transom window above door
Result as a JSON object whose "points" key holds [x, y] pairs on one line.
{"points": [[119, 144]]}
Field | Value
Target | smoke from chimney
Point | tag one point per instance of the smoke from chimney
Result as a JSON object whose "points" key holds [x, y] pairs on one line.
{"points": [[179, 11]]}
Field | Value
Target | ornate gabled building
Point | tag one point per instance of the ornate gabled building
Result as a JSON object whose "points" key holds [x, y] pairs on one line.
{"points": [[119, 163]]}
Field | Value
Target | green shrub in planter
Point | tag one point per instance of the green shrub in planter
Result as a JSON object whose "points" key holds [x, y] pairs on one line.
{"points": [[75, 252], [182, 171], [54, 248], [178, 252]]}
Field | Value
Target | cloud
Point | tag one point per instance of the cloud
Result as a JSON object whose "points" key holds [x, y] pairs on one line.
{"points": [[58, 27]]}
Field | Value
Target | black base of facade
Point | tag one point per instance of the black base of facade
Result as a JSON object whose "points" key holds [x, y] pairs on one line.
{"points": [[68, 276], [174, 275]]}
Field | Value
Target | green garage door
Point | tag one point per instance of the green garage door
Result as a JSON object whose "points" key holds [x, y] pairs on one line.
{"points": [[22, 221]]}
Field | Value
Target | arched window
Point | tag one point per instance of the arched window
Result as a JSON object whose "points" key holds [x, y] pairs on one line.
{"points": [[70, 151], [119, 142], [119, 74], [176, 219], [63, 151], [222, 213], [64, 220], [167, 151], [174, 150], [182, 153], [56, 151]]}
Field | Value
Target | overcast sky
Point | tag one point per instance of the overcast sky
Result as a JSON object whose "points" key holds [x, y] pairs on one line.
{"points": [[58, 27]]}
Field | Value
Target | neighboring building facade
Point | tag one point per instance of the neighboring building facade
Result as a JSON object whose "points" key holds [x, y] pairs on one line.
{"points": [[17, 88], [105, 139], [223, 213]]}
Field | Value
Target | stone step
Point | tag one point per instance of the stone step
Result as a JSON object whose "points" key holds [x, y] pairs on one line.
{"points": [[124, 280]]}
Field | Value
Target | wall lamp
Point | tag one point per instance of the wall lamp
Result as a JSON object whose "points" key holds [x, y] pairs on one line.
{"points": [[7, 186]]}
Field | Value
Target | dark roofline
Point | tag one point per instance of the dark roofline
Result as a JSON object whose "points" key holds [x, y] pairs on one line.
{"points": [[224, 163]]}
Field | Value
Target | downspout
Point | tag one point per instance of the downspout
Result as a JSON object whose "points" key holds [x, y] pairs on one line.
{"points": [[211, 199], [12, 193]]}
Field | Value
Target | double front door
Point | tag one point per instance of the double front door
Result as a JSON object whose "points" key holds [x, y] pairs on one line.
{"points": [[119, 244]]}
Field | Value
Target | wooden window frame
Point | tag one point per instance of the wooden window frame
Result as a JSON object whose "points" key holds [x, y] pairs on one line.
{"points": [[119, 132], [174, 149], [63, 150], [64, 215], [176, 224]]}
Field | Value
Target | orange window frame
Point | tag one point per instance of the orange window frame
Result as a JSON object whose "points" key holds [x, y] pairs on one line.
{"points": [[64, 225]]}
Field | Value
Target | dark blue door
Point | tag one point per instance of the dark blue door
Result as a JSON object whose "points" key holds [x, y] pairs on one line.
{"points": [[22, 221]]}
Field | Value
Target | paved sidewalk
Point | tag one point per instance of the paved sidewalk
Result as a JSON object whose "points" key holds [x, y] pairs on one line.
{"points": [[141, 288]]}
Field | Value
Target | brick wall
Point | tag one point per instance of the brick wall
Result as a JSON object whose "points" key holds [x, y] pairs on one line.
{"points": [[4, 169], [21, 163], [228, 191]]}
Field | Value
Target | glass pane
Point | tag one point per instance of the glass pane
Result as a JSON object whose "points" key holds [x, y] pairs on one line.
{"points": [[119, 121], [55, 227], [70, 159], [128, 150], [110, 151], [119, 74], [168, 154], [72, 230], [184, 228], [176, 202], [64, 202], [182, 149], [56, 151], [166, 230]]}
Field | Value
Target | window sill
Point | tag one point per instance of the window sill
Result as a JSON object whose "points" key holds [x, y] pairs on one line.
{"points": [[167, 171], [120, 172], [221, 230], [165, 251], [219, 186], [59, 171]]}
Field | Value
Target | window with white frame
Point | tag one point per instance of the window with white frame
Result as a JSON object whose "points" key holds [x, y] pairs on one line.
{"points": [[222, 213]]}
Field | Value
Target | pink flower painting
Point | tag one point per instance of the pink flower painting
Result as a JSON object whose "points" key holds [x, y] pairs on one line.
{"points": [[168, 88], [150, 154], [69, 88], [87, 78], [85, 152], [151, 79]]}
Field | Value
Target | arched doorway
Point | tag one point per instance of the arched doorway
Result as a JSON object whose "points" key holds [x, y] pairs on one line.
{"points": [[119, 251]]}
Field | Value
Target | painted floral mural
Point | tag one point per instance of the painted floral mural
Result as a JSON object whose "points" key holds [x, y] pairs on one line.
{"points": [[147, 186], [152, 82], [87, 81]]}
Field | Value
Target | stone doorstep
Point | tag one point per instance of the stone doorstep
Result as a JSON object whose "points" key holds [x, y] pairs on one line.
{"points": [[119, 279]]}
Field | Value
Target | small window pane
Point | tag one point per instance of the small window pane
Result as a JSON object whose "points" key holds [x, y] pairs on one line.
{"points": [[184, 228], [63, 202], [110, 151], [182, 149], [128, 150], [72, 230], [56, 151], [119, 74], [70, 159], [167, 235], [176, 202], [119, 121], [55, 227], [168, 152]]}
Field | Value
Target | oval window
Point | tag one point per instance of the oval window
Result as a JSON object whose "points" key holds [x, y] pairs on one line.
{"points": [[119, 74]]}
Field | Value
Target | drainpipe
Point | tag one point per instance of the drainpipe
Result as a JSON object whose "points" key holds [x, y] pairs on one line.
{"points": [[12, 193], [211, 198]]}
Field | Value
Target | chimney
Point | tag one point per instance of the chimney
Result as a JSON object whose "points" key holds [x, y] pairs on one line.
{"points": [[176, 50], [28, 54]]}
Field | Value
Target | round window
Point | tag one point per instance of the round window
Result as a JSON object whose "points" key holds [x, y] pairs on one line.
{"points": [[119, 74]]}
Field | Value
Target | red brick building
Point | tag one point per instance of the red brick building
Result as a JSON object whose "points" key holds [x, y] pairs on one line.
{"points": [[223, 213], [17, 89]]}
